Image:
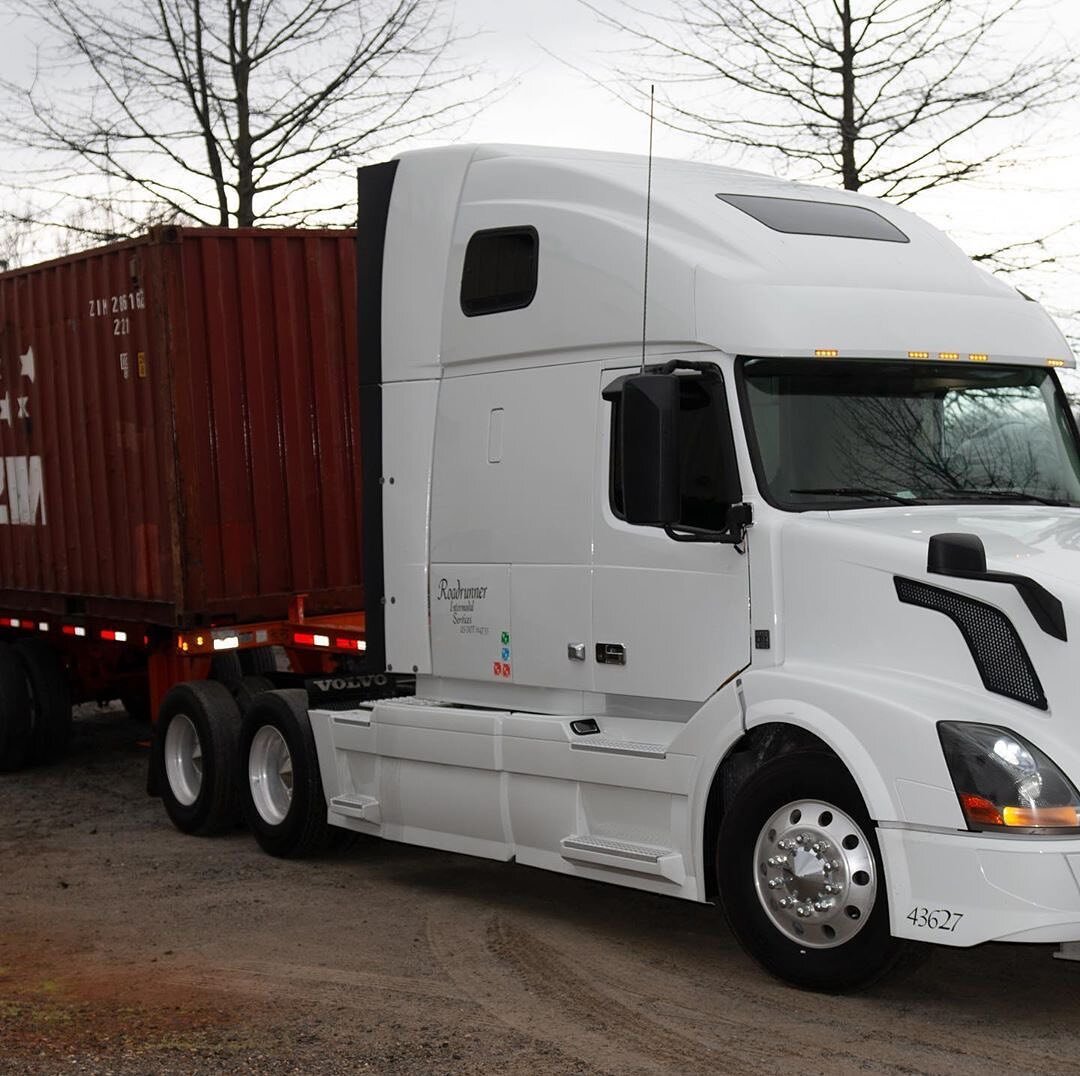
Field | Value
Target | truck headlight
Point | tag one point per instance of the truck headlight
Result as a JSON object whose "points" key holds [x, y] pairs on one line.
{"points": [[1004, 782]]}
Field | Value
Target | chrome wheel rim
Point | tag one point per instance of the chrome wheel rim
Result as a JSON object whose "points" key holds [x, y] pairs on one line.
{"points": [[270, 775], [183, 760], [815, 874]]}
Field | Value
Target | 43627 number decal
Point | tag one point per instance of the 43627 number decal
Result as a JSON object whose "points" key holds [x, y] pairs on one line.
{"points": [[934, 918]]}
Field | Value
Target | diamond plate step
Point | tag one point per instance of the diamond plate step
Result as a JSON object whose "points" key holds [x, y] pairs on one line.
{"points": [[620, 747], [365, 808], [624, 855]]}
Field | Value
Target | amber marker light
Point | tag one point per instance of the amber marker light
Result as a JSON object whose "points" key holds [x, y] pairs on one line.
{"points": [[979, 356], [1032, 817], [918, 354], [826, 353], [951, 355], [1055, 362]]}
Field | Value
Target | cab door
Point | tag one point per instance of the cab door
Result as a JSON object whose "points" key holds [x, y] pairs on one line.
{"points": [[670, 619]]}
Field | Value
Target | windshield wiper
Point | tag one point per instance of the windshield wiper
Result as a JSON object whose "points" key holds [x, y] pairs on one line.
{"points": [[1018, 495], [859, 491]]}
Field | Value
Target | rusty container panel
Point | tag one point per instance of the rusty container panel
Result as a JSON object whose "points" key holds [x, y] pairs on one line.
{"points": [[179, 428]]}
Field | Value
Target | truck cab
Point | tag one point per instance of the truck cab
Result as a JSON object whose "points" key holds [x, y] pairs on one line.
{"points": [[751, 583]]}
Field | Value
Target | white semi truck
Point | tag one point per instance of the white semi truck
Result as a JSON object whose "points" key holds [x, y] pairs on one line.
{"points": [[768, 605]]}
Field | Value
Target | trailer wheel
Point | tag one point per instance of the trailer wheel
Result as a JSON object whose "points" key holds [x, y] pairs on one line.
{"points": [[259, 661], [283, 799], [247, 689], [195, 756], [50, 700], [801, 876], [16, 713]]}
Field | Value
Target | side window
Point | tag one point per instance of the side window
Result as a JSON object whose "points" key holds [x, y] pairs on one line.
{"points": [[500, 270], [701, 454]]}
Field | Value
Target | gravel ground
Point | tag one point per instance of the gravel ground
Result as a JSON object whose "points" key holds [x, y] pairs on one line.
{"points": [[126, 947]]}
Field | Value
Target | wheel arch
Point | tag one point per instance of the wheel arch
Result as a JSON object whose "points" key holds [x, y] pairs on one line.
{"points": [[770, 739]]}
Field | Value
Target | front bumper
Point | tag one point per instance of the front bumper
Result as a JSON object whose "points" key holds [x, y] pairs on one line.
{"points": [[966, 888]]}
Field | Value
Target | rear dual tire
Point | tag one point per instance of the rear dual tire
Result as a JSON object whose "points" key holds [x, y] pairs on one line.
{"points": [[35, 705], [281, 787], [195, 753]]}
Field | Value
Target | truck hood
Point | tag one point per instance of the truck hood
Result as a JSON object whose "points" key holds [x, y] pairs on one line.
{"points": [[1034, 540]]}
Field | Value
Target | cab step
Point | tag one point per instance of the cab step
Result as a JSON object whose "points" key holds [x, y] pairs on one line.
{"points": [[610, 745], [624, 855], [365, 808]]}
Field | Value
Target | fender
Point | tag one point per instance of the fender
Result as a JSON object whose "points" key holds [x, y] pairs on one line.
{"points": [[904, 778]]}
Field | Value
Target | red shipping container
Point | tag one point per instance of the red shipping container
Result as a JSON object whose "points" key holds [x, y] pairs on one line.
{"points": [[179, 428]]}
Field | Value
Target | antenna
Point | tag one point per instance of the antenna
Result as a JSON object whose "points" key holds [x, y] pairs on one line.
{"points": [[648, 220]]}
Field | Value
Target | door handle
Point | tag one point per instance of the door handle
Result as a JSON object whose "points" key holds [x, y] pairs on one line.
{"points": [[610, 654]]}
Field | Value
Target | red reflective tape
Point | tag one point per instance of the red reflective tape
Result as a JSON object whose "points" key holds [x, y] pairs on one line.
{"points": [[109, 635], [68, 629], [303, 639]]}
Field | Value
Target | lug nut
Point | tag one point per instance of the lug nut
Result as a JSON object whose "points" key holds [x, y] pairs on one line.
{"points": [[803, 912], [775, 883], [784, 902]]}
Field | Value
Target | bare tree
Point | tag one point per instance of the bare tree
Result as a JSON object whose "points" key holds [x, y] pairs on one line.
{"points": [[884, 96], [230, 111]]}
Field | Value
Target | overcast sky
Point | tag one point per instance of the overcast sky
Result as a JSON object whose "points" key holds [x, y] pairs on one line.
{"points": [[550, 103], [535, 50]]}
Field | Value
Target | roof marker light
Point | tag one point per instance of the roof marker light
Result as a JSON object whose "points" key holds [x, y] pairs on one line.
{"points": [[918, 354], [826, 353], [952, 356], [1055, 362], [979, 356]]}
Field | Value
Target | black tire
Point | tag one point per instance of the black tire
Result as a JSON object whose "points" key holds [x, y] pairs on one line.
{"points": [[226, 668], [849, 964], [16, 713], [50, 700], [259, 662], [247, 689], [301, 828], [201, 798]]}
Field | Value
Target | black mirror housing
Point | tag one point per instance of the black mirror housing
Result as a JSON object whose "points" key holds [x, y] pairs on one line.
{"points": [[650, 449]]}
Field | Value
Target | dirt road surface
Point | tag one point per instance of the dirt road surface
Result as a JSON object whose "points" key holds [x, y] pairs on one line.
{"points": [[126, 947]]}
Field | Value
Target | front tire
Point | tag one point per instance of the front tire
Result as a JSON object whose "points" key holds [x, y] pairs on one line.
{"points": [[801, 876], [195, 751], [282, 793]]}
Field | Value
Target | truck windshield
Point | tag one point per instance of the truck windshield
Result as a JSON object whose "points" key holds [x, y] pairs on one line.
{"points": [[829, 434]]}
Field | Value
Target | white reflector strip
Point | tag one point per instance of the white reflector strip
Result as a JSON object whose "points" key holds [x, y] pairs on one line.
{"points": [[80, 632], [361, 645], [43, 626], [120, 636], [321, 640]]}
